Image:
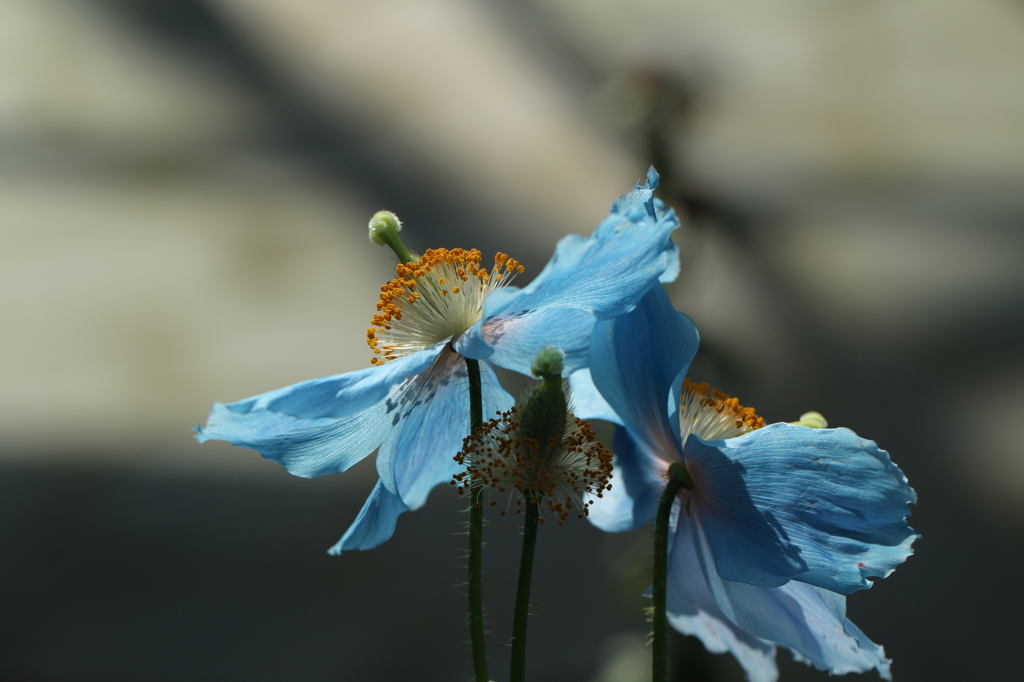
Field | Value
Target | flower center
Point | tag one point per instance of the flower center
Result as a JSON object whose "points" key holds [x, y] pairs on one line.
{"points": [[558, 474], [433, 299], [713, 415]]}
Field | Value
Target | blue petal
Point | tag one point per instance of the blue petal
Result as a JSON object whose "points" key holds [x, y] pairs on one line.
{"points": [[693, 610], [430, 421], [808, 620], [637, 485], [375, 523], [321, 426], [587, 401], [513, 342], [604, 274], [822, 506], [640, 201], [637, 362]]}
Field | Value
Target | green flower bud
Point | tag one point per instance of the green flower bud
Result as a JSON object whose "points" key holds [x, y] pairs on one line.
{"points": [[812, 419], [549, 361], [384, 229]]}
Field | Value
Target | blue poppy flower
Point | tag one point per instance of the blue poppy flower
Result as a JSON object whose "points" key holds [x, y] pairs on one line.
{"points": [[412, 406], [782, 521]]}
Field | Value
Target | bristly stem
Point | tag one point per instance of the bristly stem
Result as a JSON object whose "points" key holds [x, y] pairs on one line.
{"points": [[522, 611], [678, 478], [476, 535]]}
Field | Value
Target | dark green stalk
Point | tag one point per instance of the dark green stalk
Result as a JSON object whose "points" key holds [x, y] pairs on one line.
{"points": [[678, 478], [522, 611], [476, 535]]}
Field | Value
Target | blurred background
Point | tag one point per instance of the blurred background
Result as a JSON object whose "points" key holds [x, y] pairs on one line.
{"points": [[184, 190]]}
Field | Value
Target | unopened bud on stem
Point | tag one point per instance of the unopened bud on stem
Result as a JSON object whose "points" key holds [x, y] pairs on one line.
{"points": [[384, 229], [812, 419]]}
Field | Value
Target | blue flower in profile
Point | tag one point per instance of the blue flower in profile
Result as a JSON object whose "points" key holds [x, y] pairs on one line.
{"points": [[412, 406], [781, 522]]}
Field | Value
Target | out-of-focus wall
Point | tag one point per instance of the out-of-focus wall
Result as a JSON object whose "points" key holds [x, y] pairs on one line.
{"points": [[184, 189]]}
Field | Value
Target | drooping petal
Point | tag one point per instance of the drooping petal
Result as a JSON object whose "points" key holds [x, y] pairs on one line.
{"points": [[604, 274], [692, 610], [637, 484], [785, 502], [428, 427], [321, 426], [375, 523], [808, 620], [637, 362]]}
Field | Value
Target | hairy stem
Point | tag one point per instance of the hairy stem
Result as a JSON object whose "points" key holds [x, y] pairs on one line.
{"points": [[678, 478], [522, 611], [476, 533]]}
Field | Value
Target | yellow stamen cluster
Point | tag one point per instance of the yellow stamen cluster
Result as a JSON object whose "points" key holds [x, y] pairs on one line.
{"points": [[434, 299], [713, 415], [558, 474]]}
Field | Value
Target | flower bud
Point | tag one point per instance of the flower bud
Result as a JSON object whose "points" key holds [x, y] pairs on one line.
{"points": [[813, 420], [384, 228]]}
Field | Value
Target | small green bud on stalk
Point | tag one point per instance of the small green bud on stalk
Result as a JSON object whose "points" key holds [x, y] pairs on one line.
{"points": [[813, 420], [384, 228]]}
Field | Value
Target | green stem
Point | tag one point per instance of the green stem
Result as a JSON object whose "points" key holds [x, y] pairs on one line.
{"points": [[678, 478], [522, 611], [476, 535]]}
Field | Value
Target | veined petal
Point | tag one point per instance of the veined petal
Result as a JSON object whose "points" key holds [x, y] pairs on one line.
{"points": [[604, 274], [692, 610], [375, 523], [808, 620], [642, 203], [513, 342], [637, 485], [321, 426], [472, 344], [429, 425], [822, 506], [335, 396], [637, 362], [641, 197]]}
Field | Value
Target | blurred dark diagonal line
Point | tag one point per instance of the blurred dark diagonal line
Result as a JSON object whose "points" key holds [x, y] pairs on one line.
{"points": [[344, 150]]}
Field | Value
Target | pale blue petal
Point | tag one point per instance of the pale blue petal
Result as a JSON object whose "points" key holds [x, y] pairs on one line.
{"points": [[430, 423], [604, 274], [692, 610], [789, 502], [472, 343], [375, 523], [637, 362], [671, 272], [587, 401], [808, 620], [336, 396], [637, 485], [513, 342], [639, 203], [642, 204], [321, 426]]}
